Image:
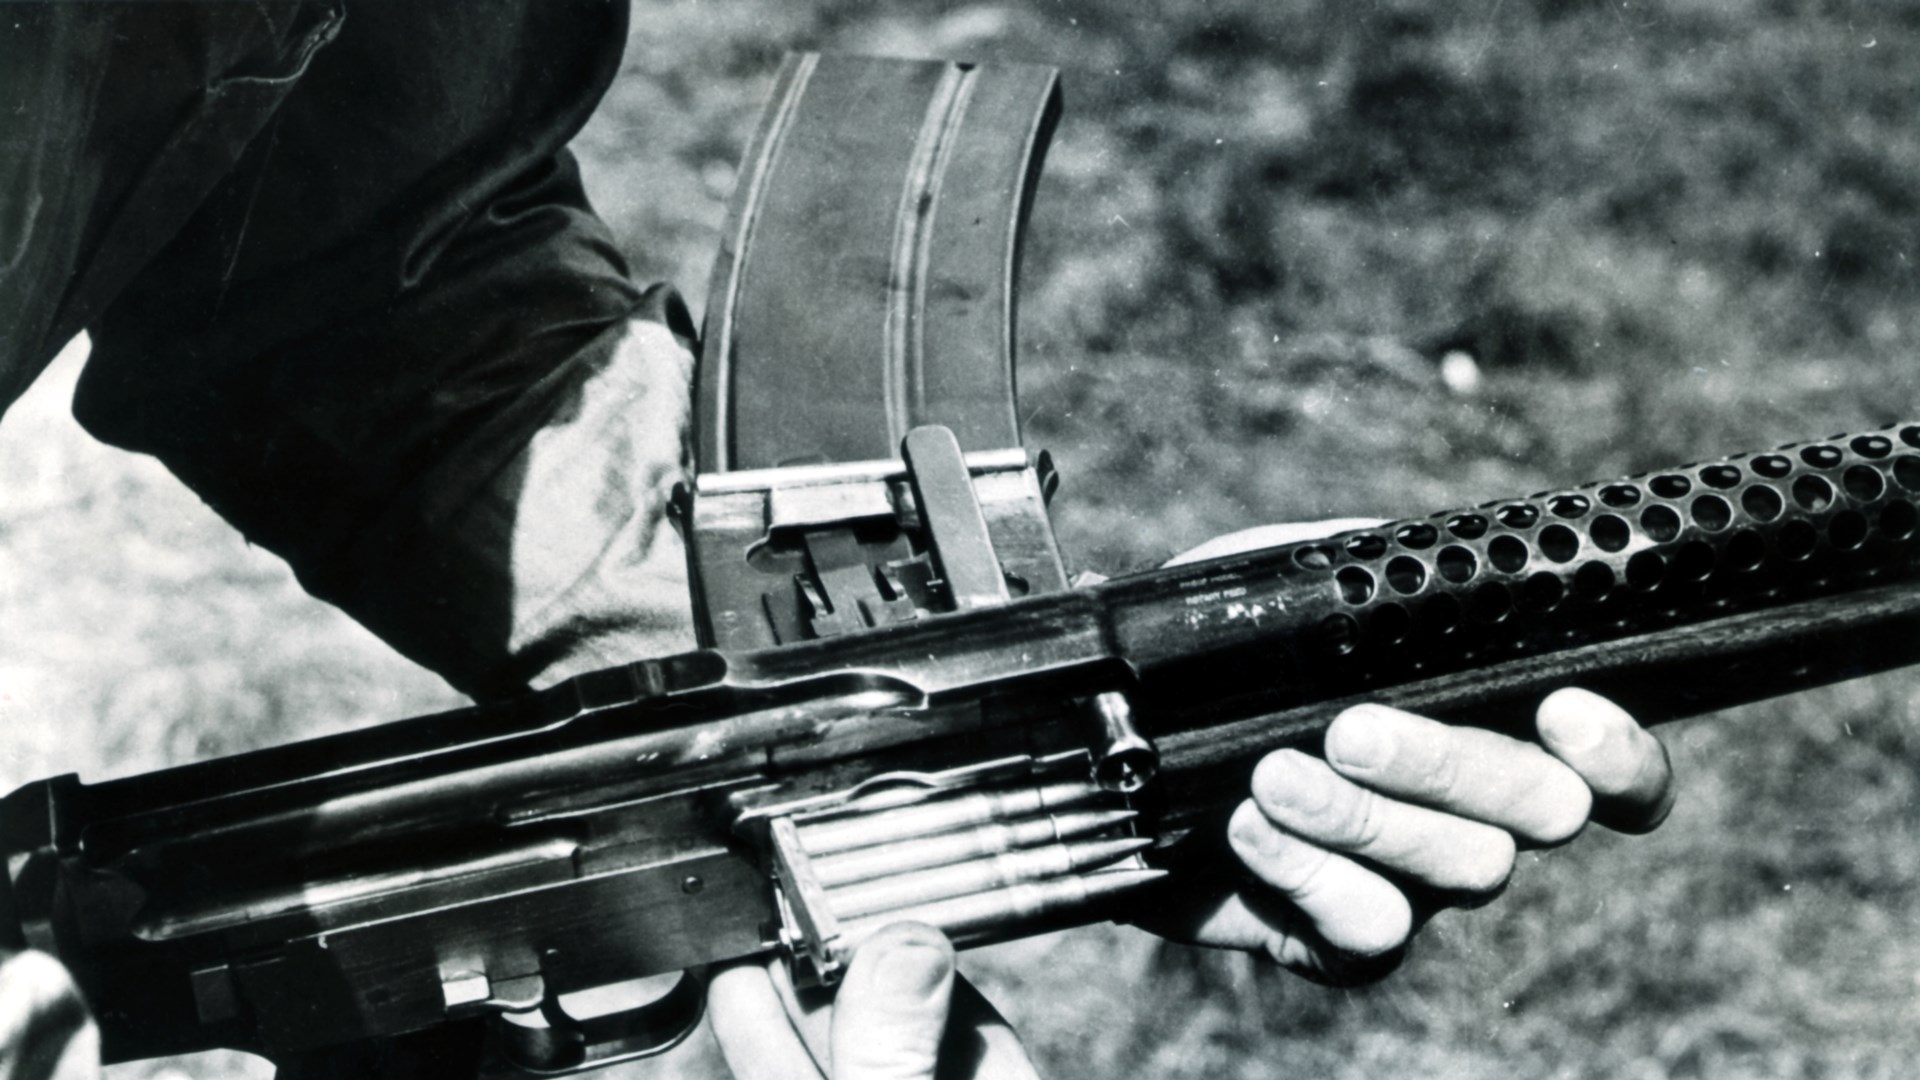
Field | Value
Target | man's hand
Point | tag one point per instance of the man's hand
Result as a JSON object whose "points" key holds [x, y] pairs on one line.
{"points": [[1346, 857], [45, 1032], [902, 1013], [1405, 816]]}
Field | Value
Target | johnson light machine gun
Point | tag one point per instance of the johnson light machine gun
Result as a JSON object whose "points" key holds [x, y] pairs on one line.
{"points": [[903, 710]]}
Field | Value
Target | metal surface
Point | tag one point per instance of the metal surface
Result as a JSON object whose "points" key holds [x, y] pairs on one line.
{"points": [[810, 928], [1603, 560], [903, 660], [548, 1039], [988, 916], [868, 271], [957, 535], [906, 890], [612, 826], [1123, 759], [924, 852], [857, 857], [964, 811], [769, 550], [851, 304]]}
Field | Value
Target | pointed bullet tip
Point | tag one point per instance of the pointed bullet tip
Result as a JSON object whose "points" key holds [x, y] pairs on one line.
{"points": [[1086, 822], [1105, 883], [1097, 853]]}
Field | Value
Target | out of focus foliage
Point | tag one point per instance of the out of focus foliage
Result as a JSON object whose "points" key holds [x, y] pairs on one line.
{"points": [[1693, 222], [1655, 231]]}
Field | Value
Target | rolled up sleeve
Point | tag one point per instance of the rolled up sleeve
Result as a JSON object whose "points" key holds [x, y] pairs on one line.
{"points": [[397, 348]]}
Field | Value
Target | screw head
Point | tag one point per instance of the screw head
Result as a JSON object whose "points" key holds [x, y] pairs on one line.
{"points": [[692, 884]]}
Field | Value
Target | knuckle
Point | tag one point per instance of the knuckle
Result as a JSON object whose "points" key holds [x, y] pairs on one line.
{"points": [[1302, 872], [887, 1059], [1437, 778], [1354, 821], [1306, 797], [1290, 952], [1293, 866], [1249, 832]]}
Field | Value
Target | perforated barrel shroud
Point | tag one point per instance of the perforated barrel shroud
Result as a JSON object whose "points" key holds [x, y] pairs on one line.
{"points": [[1602, 561]]}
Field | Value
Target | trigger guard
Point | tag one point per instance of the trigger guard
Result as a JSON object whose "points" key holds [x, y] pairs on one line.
{"points": [[549, 1042]]}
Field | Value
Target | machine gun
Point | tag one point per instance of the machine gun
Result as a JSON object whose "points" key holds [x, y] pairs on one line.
{"points": [[903, 710]]}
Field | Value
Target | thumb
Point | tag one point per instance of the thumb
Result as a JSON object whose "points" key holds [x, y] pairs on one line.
{"points": [[45, 1032], [891, 1011]]}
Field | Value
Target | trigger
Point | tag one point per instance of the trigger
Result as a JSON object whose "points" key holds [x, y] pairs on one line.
{"points": [[575, 1032]]}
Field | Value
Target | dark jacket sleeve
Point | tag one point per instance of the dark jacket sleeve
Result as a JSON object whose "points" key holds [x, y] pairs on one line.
{"points": [[397, 348]]}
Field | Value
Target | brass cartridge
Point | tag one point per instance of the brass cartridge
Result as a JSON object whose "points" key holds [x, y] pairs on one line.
{"points": [[866, 864], [978, 876]]}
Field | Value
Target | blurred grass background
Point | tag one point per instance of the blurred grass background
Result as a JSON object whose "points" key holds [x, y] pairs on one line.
{"points": [[1660, 232]]}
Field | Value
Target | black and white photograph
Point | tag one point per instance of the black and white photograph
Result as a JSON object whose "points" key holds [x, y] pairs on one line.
{"points": [[821, 539]]}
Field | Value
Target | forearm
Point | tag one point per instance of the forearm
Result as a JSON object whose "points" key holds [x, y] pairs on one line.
{"points": [[505, 546], [396, 347], [535, 552]]}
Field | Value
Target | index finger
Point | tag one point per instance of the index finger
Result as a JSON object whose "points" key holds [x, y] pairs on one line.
{"points": [[1464, 771], [751, 1022], [45, 1030]]}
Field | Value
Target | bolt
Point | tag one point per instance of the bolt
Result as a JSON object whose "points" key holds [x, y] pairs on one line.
{"points": [[692, 885]]}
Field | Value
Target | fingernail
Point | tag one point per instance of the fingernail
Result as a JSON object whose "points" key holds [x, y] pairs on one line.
{"points": [[1250, 828], [1568, 721], [913, 970], [1362, 742], [1293, 780]]}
